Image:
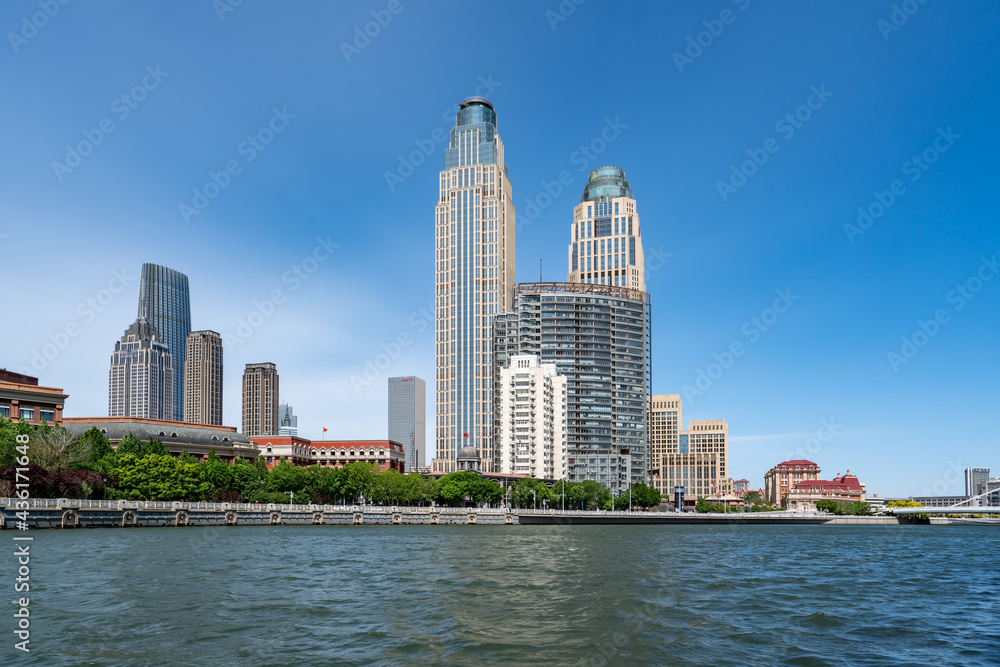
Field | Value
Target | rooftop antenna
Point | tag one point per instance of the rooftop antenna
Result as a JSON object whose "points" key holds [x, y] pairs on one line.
{"points": [[540, 271]]}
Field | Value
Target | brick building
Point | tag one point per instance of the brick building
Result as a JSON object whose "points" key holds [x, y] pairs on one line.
{"points": [[386, 454], [782, 478], [21, 398]]}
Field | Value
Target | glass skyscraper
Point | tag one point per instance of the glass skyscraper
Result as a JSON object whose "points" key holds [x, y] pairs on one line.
{"points": [[474, 280], [407, 417], [165, 302]]}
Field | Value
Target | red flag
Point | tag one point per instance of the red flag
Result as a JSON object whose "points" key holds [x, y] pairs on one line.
{"points": [[465, 435], [324, 429]]}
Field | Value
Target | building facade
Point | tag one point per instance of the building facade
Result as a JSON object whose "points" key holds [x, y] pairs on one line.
{"points": [[782, 478], [532, 419], [195, 439], [165, 302], [288, 423], [22, 399], [696, 459], [843, 488], [386, 454], [606, 245], [408, 417], [474, 280], [598, 338], [203, 378], [975, 481], [260, 400], [141, 379]]}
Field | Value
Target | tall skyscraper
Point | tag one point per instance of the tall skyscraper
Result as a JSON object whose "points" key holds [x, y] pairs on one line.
{"points": [[203, 378], [260, 400], [164, 300], [474, 280], [141, 380], [696, 458], [407, 417], [606, 243], [532, 418], [288, 423], [598, 338], [975, 481]]}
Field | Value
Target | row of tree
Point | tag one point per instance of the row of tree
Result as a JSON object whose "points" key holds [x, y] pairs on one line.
{"points": [[88, 467]]}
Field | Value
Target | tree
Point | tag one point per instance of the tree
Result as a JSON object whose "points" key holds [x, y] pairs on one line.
{"points": [[285, 477], [645, 496], [417, 489], [216, 474], [521, 496], [158, 477], [454, 487], [903, 503], [154, 447], [56, 449], [129, 445], [102, 456], [388, 488], [485, 491], [356, 479]]}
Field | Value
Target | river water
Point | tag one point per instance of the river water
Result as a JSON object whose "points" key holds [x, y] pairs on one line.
{"points": [[511, 595]]}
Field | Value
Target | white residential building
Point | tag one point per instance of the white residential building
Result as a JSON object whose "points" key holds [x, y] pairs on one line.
{"points": [[532, 434]]}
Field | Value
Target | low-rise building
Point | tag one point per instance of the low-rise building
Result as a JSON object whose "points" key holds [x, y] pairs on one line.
{"points": [[782, 478], [21, 398], [962, 502], [842, 488], [386, 454], [740, 485], [195, 439]]}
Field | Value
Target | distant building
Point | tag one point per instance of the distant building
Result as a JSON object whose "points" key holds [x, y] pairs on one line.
{"points": [[141, 379], [842, 488], [288, 423], [195, 439], [740, 485], [696, 459], [975, 481], [782, 478], [260, 399], [408, 417], [386, 454], [532, 418], [165, 302], [21, 398], [203, 378], [991, 487], [960, 502]]}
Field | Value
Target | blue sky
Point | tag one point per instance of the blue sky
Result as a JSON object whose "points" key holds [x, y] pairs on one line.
{"points": [[870, 90]]}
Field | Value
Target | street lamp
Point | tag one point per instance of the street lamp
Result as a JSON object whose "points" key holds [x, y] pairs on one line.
{"points": [[534, 498], [291, 497]]}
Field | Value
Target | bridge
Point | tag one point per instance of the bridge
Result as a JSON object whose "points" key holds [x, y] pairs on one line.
{"points": [[957, 508]]}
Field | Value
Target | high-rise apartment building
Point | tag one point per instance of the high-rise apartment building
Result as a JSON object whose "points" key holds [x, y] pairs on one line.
{"points": [[975, 481], [474, 280], [532, 419], [407, 417], [260, 400], [606, 244], [203, 378], [696, 459], [141, 379], [165, 302], [598, 338], [288, 423]]}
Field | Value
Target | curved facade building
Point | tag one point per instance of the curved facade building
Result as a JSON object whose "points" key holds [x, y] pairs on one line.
{"points": [[598, 338], [165, 301], [474, 280], [606, 246]]}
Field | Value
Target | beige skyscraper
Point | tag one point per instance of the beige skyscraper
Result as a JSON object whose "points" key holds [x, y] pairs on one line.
{"points": [[696, 458], [141, 379], [203, 378], [260, 400], [606, 245], [474, 280]]}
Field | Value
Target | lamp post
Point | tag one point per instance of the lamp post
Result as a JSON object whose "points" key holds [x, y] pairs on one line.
{"points": [[291, 497], [534, 498], [104, 479], [564, 495]]}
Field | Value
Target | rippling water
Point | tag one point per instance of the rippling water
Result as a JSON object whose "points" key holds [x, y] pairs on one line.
{"points": [[576, 595]]}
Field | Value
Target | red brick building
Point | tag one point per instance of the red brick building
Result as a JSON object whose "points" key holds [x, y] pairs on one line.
{"points": [[21, 398], [842, 488], [386, 454], [782, 478]]}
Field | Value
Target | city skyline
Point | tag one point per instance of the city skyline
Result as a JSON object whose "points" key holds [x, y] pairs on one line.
{"points": [[862, 334]]}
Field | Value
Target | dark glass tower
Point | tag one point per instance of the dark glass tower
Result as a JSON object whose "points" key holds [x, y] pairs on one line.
{"points": [[165, 302]]}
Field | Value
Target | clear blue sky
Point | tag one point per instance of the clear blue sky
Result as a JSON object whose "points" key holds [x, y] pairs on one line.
{"points": [[208, 83]]}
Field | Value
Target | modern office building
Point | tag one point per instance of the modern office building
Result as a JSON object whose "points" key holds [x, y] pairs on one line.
{"points": [[203, 378], [782, 478], [606, 244], [474, 280], [288, 423], [532, 419], [141, 379], [408, 417], [975, 481], [696, 459], [598, 338], [260, 400], [21, 398], [165, 302]]}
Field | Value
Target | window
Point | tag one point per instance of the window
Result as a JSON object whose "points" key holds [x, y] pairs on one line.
{"points": [[27, 413], [4, 411], [49, 415]]}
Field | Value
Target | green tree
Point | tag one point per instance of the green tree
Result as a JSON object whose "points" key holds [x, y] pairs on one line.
{"points": [[129, 445], [521, 496], [102, 456], [356, 480], [485, 491], [158, 477], [389, 488], [455, 487], [417, 489], [215, 473], [154, 447], [286, 477], [56, 449]]}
